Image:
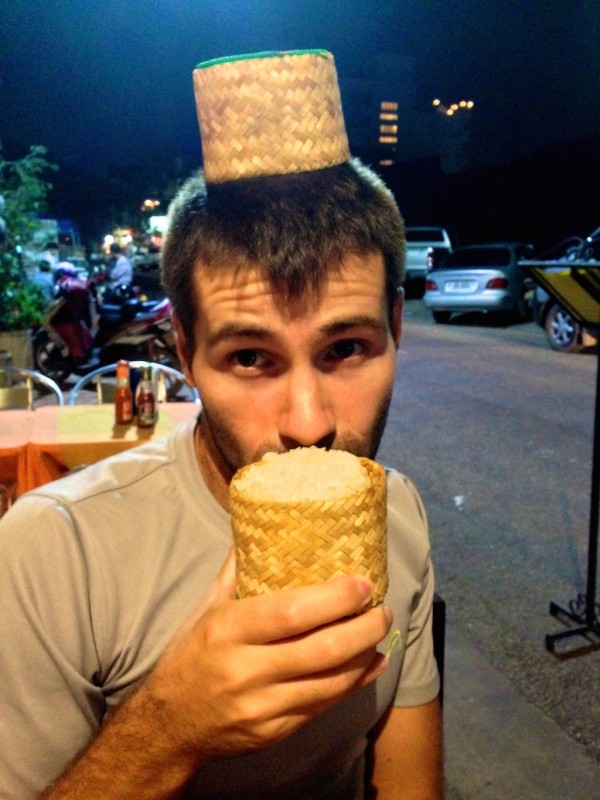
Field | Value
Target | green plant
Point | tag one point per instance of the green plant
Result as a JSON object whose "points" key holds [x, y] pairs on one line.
{"points": [[24, 191]]}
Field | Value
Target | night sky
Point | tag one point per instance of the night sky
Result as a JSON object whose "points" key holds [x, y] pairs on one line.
{"points": [[108, 82]]}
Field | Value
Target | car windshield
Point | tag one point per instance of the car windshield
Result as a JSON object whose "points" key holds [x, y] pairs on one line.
{"points": [[478, 257], [424, 235]]}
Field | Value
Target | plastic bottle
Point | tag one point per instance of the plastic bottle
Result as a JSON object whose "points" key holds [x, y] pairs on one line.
{"points": [[123, 396], [146, 401]]}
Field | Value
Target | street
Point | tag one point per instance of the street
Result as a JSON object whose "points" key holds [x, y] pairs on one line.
{"points": [[495, 429]]}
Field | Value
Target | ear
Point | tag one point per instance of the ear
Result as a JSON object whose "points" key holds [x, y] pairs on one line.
{"points": [[397, 316], [182, 349]]}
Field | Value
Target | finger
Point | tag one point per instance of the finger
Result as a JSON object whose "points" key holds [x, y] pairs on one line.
{"points": [[309, 696], [331, 647], [281, 615]]}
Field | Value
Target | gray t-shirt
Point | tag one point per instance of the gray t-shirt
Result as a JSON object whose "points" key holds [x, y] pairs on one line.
{"points": [[98, 571]]}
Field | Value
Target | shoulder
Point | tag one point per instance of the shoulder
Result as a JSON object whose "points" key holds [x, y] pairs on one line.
{"points": [[403, 498], [112, 491], [408, 531]]}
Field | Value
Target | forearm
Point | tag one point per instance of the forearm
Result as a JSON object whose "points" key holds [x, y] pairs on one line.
{"points": [[133, 756], [407, 762], [238, 678]]}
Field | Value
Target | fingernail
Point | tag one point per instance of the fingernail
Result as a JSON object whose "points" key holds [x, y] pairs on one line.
{"points": [[389, 614], [366, 590]]}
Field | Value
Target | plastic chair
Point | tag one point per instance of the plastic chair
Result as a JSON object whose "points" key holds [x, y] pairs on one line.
{"points": [[168, 382], [23, 388]]}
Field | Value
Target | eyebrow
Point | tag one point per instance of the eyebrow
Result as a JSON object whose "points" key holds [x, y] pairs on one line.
{"points": [[357, 321], [232, 330]]}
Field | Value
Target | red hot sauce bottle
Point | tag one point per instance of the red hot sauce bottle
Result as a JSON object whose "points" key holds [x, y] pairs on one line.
{"points": [[123, 396]]}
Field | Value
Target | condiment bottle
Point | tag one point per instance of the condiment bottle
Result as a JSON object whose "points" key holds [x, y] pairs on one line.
{"points": [[123, 396], [146, 401]]}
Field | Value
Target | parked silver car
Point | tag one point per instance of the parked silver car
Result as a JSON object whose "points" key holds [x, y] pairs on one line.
{"points": [[483, 277]]}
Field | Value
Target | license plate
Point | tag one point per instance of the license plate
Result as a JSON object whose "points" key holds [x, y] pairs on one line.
{"points": [[460, 286]]}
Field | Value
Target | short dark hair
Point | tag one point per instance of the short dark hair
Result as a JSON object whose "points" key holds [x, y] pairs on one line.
{"points": [[296, 228]]}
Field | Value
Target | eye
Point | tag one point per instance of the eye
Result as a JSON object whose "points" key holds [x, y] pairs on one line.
{"points": [[344, 351], [248, 358], [346, 348]]}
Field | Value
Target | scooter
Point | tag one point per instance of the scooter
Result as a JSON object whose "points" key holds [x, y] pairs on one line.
{"points": [[80, 334]]}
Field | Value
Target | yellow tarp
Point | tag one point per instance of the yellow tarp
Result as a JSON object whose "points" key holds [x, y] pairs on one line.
{"points": [[575, 288]]}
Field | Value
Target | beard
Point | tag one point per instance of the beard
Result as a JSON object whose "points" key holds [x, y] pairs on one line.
{"points": [[229, 454]]}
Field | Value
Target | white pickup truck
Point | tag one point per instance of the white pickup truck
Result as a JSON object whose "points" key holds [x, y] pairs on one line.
{"points": [[425, 248]]}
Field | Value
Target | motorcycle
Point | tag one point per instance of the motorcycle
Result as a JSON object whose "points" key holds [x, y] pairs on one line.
{"points": [[80, 333]]}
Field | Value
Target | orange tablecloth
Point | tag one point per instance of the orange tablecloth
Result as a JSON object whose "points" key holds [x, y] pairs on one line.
{"points": [[15, 427], [64, 437]]}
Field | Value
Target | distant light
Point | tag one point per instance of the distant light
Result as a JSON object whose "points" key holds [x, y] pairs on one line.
{"points": [[149, 204], [389, 117], [109, 239], [386, 162], [158, 223], [387, 105], [388, 140], [388, 129], [463, 105]]}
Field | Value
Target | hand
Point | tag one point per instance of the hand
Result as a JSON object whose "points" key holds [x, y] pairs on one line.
{"points": [[243, 674]]}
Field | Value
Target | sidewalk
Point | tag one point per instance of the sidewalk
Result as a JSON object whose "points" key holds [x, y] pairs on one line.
{"points": [[500, 747]]}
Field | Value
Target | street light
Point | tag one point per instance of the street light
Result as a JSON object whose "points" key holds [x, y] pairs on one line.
{"points": [[449, 111], [149, 205]]}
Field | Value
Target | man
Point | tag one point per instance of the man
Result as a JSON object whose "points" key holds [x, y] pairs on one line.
{"points": [[51, 255], [131, 671], [121, 271]]}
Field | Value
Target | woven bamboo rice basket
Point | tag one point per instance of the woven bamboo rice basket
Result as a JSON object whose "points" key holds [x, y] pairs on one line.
{"points": [[269, 114], [284, 545]]}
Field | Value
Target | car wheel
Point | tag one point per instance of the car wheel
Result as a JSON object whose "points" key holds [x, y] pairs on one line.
{"points": [[562, 331], [441, 317]]}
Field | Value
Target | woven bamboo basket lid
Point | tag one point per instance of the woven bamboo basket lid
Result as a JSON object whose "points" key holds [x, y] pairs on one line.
{"points": [[283, 545], [269, 114]]}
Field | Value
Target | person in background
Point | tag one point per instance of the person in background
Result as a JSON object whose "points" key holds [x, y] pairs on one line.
{"points": [[129, 669], [50, 255], [121, 269], [43, 277]]}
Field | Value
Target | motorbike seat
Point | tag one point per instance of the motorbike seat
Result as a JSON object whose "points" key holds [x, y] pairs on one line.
{"points": [[110, 312], [127, 310]]}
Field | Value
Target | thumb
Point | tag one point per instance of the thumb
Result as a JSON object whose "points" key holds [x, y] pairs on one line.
{"points": [[223, 588]]}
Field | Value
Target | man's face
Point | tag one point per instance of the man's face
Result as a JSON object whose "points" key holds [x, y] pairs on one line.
{"points": [[273, 376]]}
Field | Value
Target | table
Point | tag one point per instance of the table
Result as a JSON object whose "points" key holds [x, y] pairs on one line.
{"points": [[62, 438], [15, 428]]}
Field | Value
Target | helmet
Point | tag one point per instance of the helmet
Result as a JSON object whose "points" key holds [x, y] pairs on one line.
{"points": [[64, 269]]}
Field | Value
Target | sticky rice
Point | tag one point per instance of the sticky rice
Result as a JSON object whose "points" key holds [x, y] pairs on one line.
{"points": [[308, 516], [307, 473]]}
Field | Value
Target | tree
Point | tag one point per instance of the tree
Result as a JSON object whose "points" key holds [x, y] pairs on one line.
{"points": [[24, 191]]}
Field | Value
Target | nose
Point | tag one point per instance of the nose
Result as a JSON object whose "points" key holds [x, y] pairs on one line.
{"points": [[307, 417]]}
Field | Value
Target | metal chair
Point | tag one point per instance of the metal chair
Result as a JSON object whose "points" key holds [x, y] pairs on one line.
{"points": [[24, 388], [168, 381]]}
